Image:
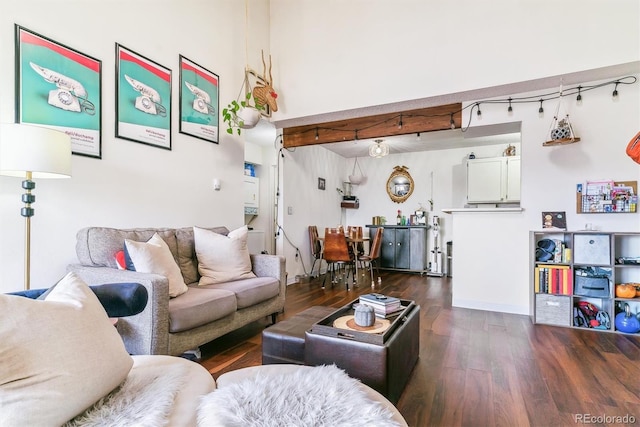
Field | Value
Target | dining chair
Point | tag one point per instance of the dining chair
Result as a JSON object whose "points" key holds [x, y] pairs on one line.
{"points": [[316, 248], [374, 254], [336, 254]]}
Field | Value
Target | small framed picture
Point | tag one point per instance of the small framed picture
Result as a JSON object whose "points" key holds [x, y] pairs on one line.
{"points": [[321, 184], [554, 220]]}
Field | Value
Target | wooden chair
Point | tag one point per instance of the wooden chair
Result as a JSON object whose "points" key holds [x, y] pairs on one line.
{"points": [[316, 248], [374, 254], [336, 254]]}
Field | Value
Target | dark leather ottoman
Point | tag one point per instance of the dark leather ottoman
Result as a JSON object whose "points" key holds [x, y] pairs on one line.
{"points": [[384, 367], [284, 341]]}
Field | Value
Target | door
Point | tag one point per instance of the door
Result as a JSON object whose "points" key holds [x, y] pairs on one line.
{"points": [[403, 253], [388, 248]]}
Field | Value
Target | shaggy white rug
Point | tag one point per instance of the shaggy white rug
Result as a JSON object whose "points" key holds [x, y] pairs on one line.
{"points": [[142, 400], [323, 396]]}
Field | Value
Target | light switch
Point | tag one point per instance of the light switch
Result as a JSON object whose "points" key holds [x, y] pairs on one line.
{"points": [[290, 210]]}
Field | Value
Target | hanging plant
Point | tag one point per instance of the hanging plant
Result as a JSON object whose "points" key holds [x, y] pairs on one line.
{"points": [[242, 115], [357, 179]]}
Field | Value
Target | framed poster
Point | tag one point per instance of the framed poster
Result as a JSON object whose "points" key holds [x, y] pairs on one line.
{"points": [[58, 87], [199, 101], [143, 99]]}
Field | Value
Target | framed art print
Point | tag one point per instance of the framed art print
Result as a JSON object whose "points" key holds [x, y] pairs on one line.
{"points": [[143, 99], [199, 101], [58, 87]]}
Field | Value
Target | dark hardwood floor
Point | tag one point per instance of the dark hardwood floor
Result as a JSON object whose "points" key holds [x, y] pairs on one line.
{"points": [[479, 368]]}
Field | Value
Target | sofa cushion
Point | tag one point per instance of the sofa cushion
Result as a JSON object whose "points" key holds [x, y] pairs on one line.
{"points": [[222, 258], [97, 246], [187, 254], [197, 307], [155, 257], [250, 291], [58, 356]]}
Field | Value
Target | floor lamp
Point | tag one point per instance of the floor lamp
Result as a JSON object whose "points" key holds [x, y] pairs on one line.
{"points": [[33, 152]]}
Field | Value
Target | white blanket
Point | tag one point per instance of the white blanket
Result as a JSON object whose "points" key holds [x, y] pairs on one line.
{"points": [[142, 400], [322, 396]]}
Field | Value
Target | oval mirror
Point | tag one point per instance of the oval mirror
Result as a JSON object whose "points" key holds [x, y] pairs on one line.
{"points": [[399, 184]]}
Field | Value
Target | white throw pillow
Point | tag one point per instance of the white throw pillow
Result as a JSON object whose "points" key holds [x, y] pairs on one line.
{"points": [[155, 257], [58, 356], [222, 258]]}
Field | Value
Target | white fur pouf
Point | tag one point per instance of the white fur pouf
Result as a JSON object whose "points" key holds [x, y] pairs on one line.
{"points": [[318, 396]]}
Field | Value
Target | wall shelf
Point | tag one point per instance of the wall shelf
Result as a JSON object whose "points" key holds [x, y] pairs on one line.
{"points": [[563, 141]]}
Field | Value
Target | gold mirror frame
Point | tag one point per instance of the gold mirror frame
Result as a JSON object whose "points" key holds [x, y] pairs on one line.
{"points": [[399, 178]]}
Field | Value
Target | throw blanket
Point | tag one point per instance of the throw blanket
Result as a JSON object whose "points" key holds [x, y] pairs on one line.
{"points": [[321, 396], [142, 400]]}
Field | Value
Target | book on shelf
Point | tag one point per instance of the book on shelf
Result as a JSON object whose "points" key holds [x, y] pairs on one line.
{"points": [[553, 279]]}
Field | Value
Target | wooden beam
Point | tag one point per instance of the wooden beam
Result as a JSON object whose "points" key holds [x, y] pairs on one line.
{"points": [[413, 121]]}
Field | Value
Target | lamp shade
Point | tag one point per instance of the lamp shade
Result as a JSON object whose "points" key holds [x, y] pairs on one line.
{"points": [[379, 149], [46, 153]]}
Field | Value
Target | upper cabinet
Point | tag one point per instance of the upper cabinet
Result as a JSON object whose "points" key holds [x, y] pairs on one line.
{"points": [[493, 180]]}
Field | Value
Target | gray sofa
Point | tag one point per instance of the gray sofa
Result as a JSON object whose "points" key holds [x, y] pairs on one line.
{"points": [[203, 313]]}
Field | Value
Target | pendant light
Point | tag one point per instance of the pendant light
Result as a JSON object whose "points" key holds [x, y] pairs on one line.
{"points": [[379, 149]]}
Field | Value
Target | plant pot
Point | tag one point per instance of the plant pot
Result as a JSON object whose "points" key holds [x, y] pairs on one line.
{"points": [[247, 117]]}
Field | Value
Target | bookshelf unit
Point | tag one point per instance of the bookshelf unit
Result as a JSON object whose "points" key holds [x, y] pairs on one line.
{"points": [[558, 284]]}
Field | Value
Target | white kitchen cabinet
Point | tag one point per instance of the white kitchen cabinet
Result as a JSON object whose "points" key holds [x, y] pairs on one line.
{"points": [[251, 195], [493, 180]]}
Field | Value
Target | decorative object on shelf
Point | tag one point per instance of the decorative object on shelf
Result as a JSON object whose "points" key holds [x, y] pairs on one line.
{"points": [[510, 150], [633, 148], [626, 290], [33, 152], [400, 184], [357, 179], [626, 321], [561, 131], [379, 149]]}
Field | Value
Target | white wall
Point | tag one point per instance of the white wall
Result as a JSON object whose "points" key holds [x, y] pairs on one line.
{"points": [[133, 185], [332, 55]]}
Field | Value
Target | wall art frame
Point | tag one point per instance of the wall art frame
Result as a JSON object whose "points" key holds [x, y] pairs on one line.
{"points": [[143, 99], [199, 101], [322, 184], [60, 88]]}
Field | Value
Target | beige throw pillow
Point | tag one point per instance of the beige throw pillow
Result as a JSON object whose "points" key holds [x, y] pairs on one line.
{"points": [[155, 257], [222, 258], [58, 356]]}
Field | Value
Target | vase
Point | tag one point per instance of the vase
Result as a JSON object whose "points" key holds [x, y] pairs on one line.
{"points": [[364, 315], [248, 117]]}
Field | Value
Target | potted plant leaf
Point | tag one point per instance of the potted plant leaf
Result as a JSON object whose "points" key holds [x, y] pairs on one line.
{"points": [[244, 114]]}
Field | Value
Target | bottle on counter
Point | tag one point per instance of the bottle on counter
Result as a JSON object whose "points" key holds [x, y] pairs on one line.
{"points": [[399, 218]]}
